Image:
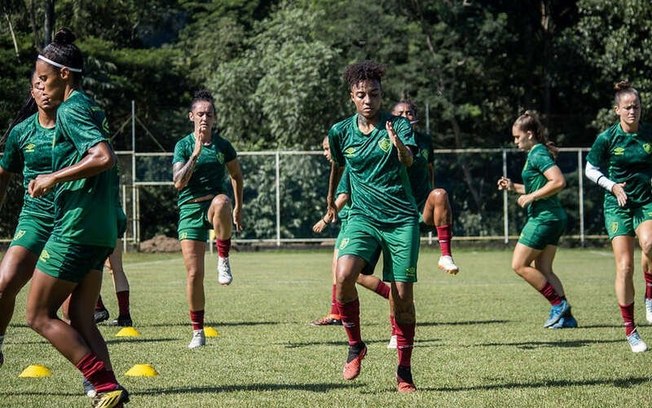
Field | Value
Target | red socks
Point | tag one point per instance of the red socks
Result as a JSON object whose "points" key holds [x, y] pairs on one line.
{"points": [[123, 303], [99, 305], [444, 235], [223, 246], [549, 293], [94, 370], [404, 340], [335, 313], [627, 312], [382, 289], [197, 319], [648, 284], [350, 315]]}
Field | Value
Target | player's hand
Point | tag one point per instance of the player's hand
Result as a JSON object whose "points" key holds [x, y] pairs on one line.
{"points": [[198, 146], [237, 219], [618, 190], [505, 184], [41, 185], [320, 226], [525, 200], [392, 133], [331, 213]]}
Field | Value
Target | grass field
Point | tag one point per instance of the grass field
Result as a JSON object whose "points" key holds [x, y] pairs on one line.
{"points": [[480, 340]]}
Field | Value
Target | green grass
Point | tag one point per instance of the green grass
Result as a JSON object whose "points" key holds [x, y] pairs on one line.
{"points": [[480, 340]]}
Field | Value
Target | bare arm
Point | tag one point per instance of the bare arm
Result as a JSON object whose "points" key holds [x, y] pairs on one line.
{"points": [[5, 177], [505, 183], [98, 159], [237, 181], [340, 202], [333, 181]]}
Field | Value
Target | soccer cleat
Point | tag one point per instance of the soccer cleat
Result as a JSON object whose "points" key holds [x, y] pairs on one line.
{"points": [[111, 399], [122, 321], [648, 310], [566, 322], [557, 312], [447, 265], [101, 315], [224, 276], [636, 343], [352, 368], [89, 390], [393, 342], [327, 321], [404, 387], [198, 339]]}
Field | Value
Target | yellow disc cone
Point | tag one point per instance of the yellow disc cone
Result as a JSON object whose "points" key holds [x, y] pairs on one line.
{"points": [[142, 370], [128, 332], [210, 332], [35, 371]]}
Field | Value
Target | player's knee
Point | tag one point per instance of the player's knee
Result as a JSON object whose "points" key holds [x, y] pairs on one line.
{"points": [[624, 269], [646, 246], [221, 203], [439, 195]]}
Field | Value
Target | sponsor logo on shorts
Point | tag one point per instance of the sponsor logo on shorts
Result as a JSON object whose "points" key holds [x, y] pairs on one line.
{"points": [[19, 235], [44, 256], [647, 148], [385, 145], [30, 148], [220, 157], [344, 243], [614, 226], [349, 152], [411, 272], [619, 151]]}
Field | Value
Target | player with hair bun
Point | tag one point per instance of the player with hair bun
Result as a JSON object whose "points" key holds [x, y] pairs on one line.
{"points": [[625, 151], [85, 224], [200, 162], [375, 147], [535, 250]]}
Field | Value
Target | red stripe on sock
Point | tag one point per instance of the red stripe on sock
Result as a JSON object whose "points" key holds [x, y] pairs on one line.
{"points": [[648, 284], [223, 246], [549, 293], [94, 370], [405, 342], [99, 305], [627, 312], [123, 302], [197, 319], [350, 315], [383, 289], [444, 235]]}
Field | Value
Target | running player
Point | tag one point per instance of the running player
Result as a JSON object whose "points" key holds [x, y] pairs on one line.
{"points": [[28, 150], [199, 164], [85, 226], [432, 202], [625, 151], [365, 279], [375, 147], [537, 245]]}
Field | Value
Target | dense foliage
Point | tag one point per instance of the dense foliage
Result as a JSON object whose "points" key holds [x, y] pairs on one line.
{"points": [[275, 67]]}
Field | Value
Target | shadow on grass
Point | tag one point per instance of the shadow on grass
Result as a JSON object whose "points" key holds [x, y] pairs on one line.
{"points": [[529, 345], [466, 323], [212, 324], [317, 387], [119, 340], [618, 383]]}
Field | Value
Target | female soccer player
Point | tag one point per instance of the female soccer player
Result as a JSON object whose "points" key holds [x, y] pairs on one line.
{"points": [[28, 151], [431, 202], [625, 150], [546, 221], [375, 147], [199, 164], [85, 226], [365, 279]]}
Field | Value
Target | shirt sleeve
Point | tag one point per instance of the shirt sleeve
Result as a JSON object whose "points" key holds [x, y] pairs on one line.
{"points": [[543, 160], [84, 133], [598, 153], [179, 153], [229, 152], [404, 131], [12, 159]]}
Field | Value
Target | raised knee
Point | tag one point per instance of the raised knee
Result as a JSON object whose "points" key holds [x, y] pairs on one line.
{"points": [[221, 201]]}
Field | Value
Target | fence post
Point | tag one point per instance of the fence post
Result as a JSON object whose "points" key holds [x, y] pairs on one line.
{"points": [[580, 184], [278, 198], [505, 202]]}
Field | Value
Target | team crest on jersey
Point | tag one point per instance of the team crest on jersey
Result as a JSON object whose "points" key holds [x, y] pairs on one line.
{"points": [[30, 148], [619, 151], [344, 243], [647, 148], [385, 145], [220, 157], [349, 152], [19, 235], [614, 226], [44, 256]]}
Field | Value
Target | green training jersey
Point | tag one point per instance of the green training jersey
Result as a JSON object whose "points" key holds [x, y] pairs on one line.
{"points": [[627, 158], [419, 171], [85, 208], [538, 161], [344, 187], [29, 151], [210, 171], [380, 188]]}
